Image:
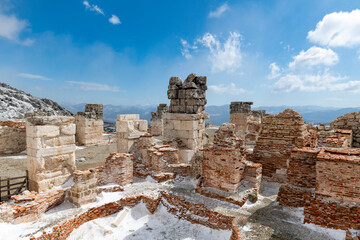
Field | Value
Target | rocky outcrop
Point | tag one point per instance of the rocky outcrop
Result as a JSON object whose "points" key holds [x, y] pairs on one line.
{"points": [[15, 103]]}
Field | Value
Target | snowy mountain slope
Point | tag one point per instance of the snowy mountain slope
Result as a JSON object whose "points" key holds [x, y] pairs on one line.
{"points": [[15, 103]]}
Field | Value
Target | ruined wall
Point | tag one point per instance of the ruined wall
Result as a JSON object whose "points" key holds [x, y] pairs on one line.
{"points": [[247, 122], [50, 150], [90, 125], [349, 121], [301, 175], [13, 137], [156, 123], [280, 133], [129, 128], [84, 190], [118, 169], [336, 202], [341, 139], [223, 163], [194, 213], [324, 131]]}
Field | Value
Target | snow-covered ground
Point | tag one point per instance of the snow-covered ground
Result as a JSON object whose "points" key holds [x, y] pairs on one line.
{"points": [[140, 224]]}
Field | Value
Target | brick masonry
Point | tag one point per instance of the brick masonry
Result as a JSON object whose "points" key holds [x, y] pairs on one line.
{"points": [[350, 121]]}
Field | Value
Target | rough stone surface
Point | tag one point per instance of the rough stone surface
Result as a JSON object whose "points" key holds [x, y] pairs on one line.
{"points": [[50, 151], [156, 123], [350, 121], [84, 190], [341, 139], [280, 133], [90, 125], [13, 137]]}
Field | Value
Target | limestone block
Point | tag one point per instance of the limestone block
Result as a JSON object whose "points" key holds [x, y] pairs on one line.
{"points": [[142, 125], [189, 125], [185, 155], [68, 129], [51, 151], [42, 131], [125, 126], [127, 117]]}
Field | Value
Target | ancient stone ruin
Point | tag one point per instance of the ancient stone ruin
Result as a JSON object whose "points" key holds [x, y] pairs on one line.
{"points": [[90, 125], [173, 166], [247, 122], [157, 123], [13, 137], [51, 151]]}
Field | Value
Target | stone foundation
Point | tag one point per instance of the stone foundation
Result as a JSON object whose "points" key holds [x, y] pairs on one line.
{"points": [[13, 137], [90, 125], [118, 169], [84, 190], [51, 151], [194, 213]]}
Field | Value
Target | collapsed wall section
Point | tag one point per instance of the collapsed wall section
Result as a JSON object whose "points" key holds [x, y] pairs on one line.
{"points": [[280, 133], [50, 150], [247, 122], [90, 125], [13, 137], [350, 121]]}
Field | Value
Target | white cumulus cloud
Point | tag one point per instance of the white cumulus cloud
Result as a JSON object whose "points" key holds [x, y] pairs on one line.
{"points": [[11, 27], [337, 29], [224, 56], [32, 76], [314, 56], [89, 86], [227, 89], [219, 11], [114, 19]]}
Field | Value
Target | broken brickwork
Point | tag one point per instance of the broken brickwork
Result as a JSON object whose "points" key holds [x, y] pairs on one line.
{"points": [[84, 190], [301, 175], [30, 206], [118, 169], [323, 130], [336, 201], [13, 137], [350, 121], [224, 163], [280, 133], [156, 123], [90, 125], [129, 128], [194, 213], [247, 122], [341, 139], [50, 151]]}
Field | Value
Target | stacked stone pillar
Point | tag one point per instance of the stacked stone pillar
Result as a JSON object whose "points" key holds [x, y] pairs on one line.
{"points": [[156, 123], [51, 150], [184, 124], [84, 190], [90, 125]]}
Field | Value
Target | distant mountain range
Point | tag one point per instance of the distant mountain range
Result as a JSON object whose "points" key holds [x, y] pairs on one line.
{"points": [[221, 114]]}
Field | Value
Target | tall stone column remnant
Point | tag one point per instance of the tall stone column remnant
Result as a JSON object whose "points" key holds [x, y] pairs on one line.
{"points": [[90, 125], [50, 151]]}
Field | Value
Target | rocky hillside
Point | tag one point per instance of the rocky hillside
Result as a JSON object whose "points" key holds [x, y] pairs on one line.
{"points": [[15, 104]]}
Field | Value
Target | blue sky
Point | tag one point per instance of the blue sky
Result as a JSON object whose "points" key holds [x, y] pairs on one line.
{"points": [[124, 52]]}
